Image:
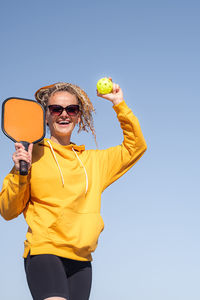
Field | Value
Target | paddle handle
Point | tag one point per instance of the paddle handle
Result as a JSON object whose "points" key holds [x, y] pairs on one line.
{"points": [[23, 165]]}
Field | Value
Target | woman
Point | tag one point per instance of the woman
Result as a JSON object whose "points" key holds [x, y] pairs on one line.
{"points": [[61, 195]]}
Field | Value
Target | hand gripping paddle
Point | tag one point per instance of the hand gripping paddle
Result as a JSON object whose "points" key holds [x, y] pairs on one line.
{"points": [[23, 121]]}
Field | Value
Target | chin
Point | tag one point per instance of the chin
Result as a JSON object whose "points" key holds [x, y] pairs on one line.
{"points": [[67, 130], [64, 133]]}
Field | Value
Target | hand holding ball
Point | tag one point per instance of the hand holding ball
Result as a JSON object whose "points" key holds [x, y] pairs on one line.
{"points": [[104, 86], [109, 90]]}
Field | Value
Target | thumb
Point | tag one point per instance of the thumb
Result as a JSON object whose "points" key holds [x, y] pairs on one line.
{"points": [[30, 149]]}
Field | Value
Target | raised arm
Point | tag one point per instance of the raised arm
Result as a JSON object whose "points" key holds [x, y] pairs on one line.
{"points": [[116, 161]]}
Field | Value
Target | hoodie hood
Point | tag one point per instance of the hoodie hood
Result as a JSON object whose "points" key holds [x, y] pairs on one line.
{"points": [[61, 148]]}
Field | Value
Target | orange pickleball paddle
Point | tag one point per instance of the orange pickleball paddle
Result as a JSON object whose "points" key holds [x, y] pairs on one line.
{"points": [[23, 121]]}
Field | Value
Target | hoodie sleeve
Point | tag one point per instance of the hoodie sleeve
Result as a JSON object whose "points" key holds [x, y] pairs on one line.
{"points": [[14, 195], [116, 161]]}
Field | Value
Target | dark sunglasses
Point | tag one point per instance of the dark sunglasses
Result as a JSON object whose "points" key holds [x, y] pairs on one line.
{"points": [[56, 110]]}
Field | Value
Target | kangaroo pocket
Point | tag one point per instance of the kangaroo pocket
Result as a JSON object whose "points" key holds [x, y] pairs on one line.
{"points": [[78, 231]]}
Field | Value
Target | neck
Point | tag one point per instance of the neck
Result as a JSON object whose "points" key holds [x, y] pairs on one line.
{"points": [[61, 140]]}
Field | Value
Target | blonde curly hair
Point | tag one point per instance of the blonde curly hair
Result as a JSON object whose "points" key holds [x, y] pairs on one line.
{"points": [[85, 105]]}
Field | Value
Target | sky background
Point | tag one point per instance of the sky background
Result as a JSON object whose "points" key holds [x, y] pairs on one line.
{"points": [[150, 246]]}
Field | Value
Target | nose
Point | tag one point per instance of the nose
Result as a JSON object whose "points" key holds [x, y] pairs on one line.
{"points": [[64, 113]]}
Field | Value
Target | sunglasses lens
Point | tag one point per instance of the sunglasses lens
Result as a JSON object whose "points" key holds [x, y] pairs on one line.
{"points": [[72, 110], [55, 110]]}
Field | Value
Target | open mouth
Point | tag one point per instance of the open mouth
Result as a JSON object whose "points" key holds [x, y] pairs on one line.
{"points": [[63, 123]]}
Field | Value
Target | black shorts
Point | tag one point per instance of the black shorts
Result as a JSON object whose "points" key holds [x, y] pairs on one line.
{"points": [[50, 276]]}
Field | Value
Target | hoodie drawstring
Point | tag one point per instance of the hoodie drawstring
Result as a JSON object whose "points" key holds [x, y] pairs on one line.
{"points": [[86, 189], [63, 182]]}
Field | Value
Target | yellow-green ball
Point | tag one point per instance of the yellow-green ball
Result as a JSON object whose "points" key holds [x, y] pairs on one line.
{"points": [[104, 86]]}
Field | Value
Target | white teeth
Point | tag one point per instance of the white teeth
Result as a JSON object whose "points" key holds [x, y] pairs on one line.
{"points": [[63, 122]]}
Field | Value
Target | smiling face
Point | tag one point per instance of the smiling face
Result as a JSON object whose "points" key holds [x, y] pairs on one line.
{"points": [[61, 127]]}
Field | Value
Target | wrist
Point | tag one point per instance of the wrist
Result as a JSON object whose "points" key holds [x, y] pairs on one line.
{"points": [[117, 101]]}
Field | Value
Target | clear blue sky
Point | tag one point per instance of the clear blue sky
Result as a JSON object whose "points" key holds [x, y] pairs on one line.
{"points": [[150, 246]]}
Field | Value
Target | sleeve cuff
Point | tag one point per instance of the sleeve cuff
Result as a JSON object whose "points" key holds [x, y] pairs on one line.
{"points": [[17, 178], [122, 106]]}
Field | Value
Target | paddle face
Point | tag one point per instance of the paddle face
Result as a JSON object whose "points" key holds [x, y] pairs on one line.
{"points": [[23, 120]]}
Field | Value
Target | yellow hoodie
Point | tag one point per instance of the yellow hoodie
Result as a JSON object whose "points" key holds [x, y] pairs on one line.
{"points": [[61, 196]]}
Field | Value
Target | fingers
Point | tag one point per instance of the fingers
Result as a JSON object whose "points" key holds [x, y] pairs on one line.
{"points": [[22, 154], [18, 146], [116, 88], [30, 149], [100, 95]]}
